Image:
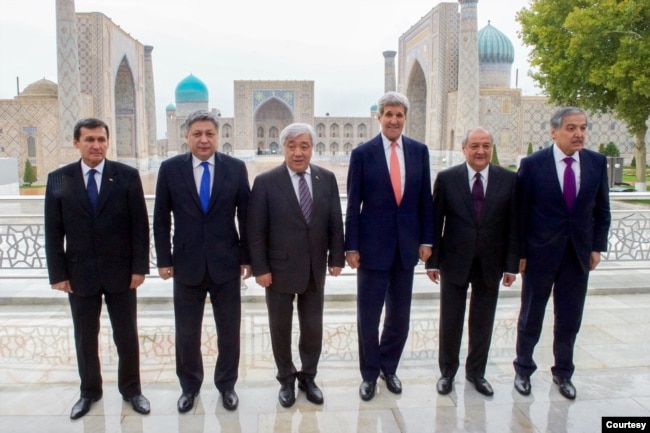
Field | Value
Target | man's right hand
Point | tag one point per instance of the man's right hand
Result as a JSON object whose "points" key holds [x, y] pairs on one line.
{"points": [[63, 286], [264, 280], [434, 275], [353, 259], [166, 273]]}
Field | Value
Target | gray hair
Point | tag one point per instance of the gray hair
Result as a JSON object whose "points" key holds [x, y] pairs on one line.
{"points": [[392, 99], [296, 129], [469, 131], [562, 112], [200, 116]]}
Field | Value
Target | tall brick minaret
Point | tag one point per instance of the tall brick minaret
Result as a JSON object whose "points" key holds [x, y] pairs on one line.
{"points": [[389, 71], [67, 54], [150, 101], [467, 108]]}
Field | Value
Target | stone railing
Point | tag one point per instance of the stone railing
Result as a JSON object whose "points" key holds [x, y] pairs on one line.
{"points": [[22, 248]]}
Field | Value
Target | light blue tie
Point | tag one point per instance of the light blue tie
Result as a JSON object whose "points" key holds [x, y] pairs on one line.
{"points": [[204, 190]]}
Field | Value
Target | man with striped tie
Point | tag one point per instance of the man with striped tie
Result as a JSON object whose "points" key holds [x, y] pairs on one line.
{"points": [[295, 233]]}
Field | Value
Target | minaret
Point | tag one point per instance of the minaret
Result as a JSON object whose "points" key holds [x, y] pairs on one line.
{"points": [[467, 112], [67, 53], [389, 71], [150, 101]]}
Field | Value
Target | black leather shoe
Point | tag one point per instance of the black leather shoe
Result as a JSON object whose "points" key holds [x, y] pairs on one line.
{"points": [[139, 403], [566, 387], [186, 401], [287, 396], [444, 385], [482, 385], [522, 384], [230, 399], [367, 390], [393, 383], [309, 387], [81, 407]]}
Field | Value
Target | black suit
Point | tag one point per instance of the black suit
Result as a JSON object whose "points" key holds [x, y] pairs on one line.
{"points": [[557, 244], [470, 251], [208, 250], [98, 252], [297, 254]]}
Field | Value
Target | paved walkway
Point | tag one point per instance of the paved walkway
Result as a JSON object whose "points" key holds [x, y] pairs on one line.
{"points": [[39, 382]]}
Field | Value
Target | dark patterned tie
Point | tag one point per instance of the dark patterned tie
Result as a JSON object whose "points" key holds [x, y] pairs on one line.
{"points": [[478, 196], [306, 203], [569, 183], [204, 190], [91, 188]]}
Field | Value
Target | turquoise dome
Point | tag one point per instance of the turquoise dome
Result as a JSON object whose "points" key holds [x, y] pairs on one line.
{"points": [[374, 107], [170, 107], [494, 46], [191, 89]]}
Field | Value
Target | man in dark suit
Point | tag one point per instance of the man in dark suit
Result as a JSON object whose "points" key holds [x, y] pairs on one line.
{"points": [[388, 228], [207, 192], [97, 244], [295, 232], [564, 219], [475, 204]]}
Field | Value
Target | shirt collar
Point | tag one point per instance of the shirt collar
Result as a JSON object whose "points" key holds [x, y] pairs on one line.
{"points": [[471, 172], [196, 162], [387, 143], [558, 155], [292, 173], [100, 167]]}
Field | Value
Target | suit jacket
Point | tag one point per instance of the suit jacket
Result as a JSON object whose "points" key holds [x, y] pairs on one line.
{"points": [[375, 225], [102, 249], [459, 237], [282, 242], [547, 225], [202, 242]]}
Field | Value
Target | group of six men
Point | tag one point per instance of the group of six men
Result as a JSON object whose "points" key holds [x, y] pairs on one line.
{"points": [[484, 225]]}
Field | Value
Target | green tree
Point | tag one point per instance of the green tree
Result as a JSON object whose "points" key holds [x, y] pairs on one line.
{"points": [[633, 162], [601, 148], [29, 177], [594, 54], [530, 148], [495, 158], [611, 150]]}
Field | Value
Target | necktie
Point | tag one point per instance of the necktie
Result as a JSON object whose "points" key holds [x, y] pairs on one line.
{"points": [[306, 203], [204, 190], [569, 183], [91, 188], [478, 196], [395, 175]]}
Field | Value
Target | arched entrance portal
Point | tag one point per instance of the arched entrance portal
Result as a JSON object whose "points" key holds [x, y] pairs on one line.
{"points": [[417, 94], [272, 115], [125, 115]]}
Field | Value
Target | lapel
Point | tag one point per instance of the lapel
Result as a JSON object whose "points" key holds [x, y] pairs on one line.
{"points": [[550, 175], [79, 187], [187, 174], [285, 188], [109, 180], [461, 184], [379, 158], [218, 181], [318, 192], [494, 185]]}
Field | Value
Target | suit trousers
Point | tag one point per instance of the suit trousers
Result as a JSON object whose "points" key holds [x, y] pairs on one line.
{"points": [[482, 308], [569, 286], [189, 308], [394, 288], [310, 319], [122, 312]]}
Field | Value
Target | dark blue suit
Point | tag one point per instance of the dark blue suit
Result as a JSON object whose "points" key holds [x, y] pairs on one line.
{"points": [[557, 245], [387, 237], [208, 250]]}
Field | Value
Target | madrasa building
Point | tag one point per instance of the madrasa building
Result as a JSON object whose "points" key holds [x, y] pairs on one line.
{"points": [[455, 76]]}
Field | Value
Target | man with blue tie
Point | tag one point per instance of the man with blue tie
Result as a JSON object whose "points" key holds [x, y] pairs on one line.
{"points": [[97, 245], [207, 192], [564, 217], [388, 229]]}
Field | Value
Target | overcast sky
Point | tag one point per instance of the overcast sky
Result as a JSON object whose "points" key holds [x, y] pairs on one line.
{"points": [[336, 43]]}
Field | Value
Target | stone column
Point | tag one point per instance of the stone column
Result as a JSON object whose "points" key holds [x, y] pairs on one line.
{"points": [[150, 101], [389, 71], [467, 109], [69, 81]]}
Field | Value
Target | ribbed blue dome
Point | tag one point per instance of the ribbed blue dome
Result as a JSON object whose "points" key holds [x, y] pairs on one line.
{"points": [[374, 107], [191, 89], [170, 107], [494, 46]]}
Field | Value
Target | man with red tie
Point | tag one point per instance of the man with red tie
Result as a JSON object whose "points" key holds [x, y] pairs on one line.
{"points": [[565, 217], [388, 229]]}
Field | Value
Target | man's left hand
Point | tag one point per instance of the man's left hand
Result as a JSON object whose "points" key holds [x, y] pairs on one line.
{"points": [[136, 281], [425, 253]]}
